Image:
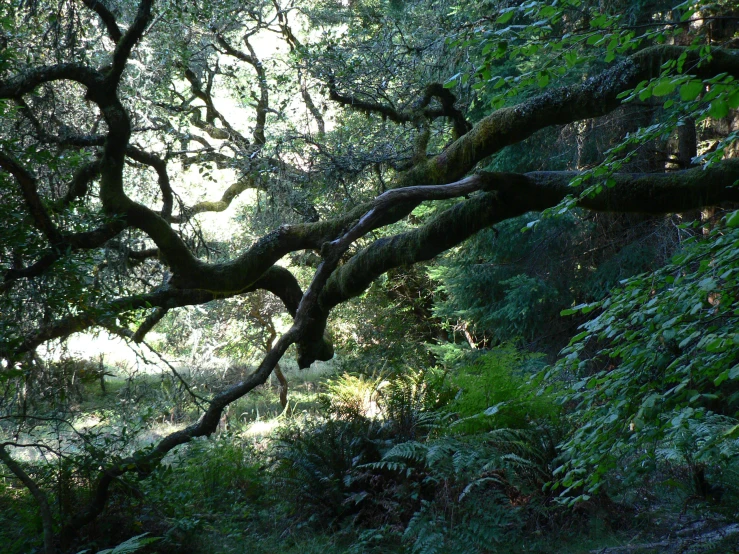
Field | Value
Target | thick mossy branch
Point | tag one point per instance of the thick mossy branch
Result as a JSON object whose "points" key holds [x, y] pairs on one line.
{"points": [[511, 195], [647, 193], [28, 80], [248, 182], [507, 195], [125, 44], [596, 97]]}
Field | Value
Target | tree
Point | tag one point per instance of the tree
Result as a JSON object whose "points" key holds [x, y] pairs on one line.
{"points": [[98, 99]]}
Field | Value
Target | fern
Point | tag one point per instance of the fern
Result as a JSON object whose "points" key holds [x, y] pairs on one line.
{"points": [[131, 545]]}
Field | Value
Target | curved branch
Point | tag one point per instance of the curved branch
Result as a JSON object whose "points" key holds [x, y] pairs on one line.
{"points": [[448, 109], [509, 195], [364, 106], [69, 243], [151, 320], [29, 189], [211, 112], [79, 184], [107, 17], [277, 280], [263, 100], [160, 166], [219, 205], [512, 195], [31, 78], [420, 108], [596, 97], [126, 43]]}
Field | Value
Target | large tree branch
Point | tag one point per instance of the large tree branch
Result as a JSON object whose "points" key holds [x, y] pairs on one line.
{"points": [[511, 195], [107, 17], [160, 166], [221, 205], [28, 80], [506, 196], [277, 280], [144, 462], [126, 43], [596, 97], [68, 243], [35, 206]]}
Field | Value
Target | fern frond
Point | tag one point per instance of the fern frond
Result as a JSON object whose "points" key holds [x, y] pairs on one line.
{"points": [[131, 545]]}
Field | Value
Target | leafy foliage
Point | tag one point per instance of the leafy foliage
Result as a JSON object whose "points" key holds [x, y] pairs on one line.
{"points": [[657, 367], [498, 390]]}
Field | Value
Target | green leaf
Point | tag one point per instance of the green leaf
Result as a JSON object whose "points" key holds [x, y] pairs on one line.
{"points": [[733, 99], [663, 88], [690, 90], [452, 82], [719, 109], [721, 378], [505, 17], [645, 94], [732, 220], [578, 337]]}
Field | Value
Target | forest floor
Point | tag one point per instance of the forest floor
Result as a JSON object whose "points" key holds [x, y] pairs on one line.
{"points": [[212, 499]]}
